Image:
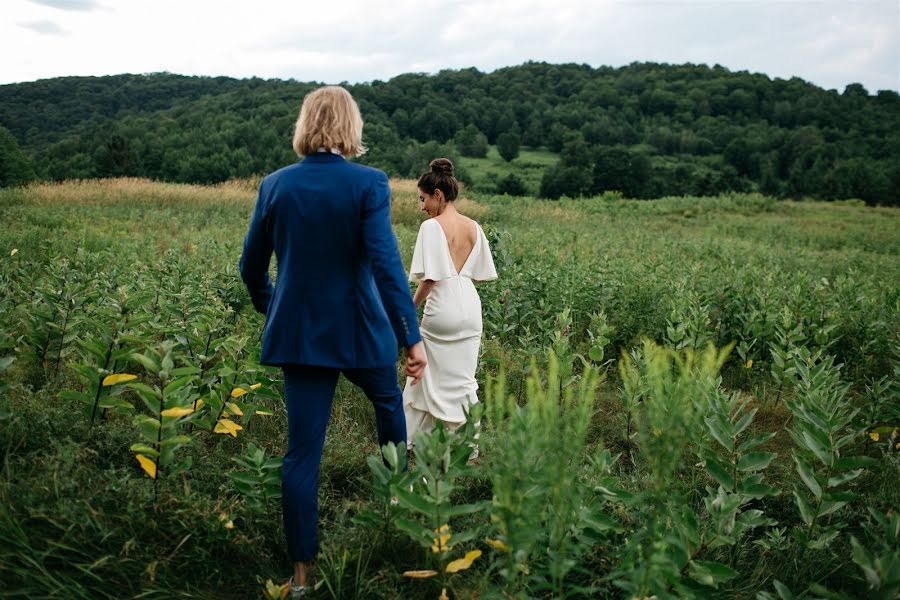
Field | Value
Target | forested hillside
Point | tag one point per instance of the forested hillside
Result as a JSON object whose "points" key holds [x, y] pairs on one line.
{"points": [[645, 130]]}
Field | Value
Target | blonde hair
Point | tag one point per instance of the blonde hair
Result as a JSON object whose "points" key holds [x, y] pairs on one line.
{"points": [[330, 119]]}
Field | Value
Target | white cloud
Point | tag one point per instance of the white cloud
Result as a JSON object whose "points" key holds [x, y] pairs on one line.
{"points": [[830, 43], [45, 27], [86, 5]]}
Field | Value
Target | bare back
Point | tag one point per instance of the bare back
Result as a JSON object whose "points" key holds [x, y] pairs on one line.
{"points": [[461, 233]]}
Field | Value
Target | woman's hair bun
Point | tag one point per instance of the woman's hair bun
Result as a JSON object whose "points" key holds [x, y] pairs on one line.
{"points": [[442, 167]]}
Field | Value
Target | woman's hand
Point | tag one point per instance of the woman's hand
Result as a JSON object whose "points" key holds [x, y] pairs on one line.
{"points": [[415, 362]]}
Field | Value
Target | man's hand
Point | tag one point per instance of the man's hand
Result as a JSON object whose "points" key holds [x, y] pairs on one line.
{"points": [[415, 362]]}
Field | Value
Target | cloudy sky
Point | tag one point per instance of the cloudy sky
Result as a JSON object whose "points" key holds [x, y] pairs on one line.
{"points": [[829, 42]]}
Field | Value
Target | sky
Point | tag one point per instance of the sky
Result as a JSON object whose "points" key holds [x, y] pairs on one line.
{"points": [[828, 42]]}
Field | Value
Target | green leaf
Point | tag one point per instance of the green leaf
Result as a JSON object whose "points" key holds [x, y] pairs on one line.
{"points": [[147, 362], [744, 422], [814, 446], [844, 478], [464, 509], [755, 461], [711, 573], [829, 507], [783, 592], [143, 449], [806, 511], [756, 489], [719, 472], [416, 531], [412, 501], [177, 384], [756, 440], [808, 477], [855, 462], [389, 451], [719, 433], [176, 440], [76, 396], [182, 371]]}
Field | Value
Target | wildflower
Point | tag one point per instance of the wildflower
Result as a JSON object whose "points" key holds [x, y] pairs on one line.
{"points": [[749, 364], [874, 435]]}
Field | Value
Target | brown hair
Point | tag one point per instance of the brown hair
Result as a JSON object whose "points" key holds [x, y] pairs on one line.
{"points": [[440, 177], [330, 119]]}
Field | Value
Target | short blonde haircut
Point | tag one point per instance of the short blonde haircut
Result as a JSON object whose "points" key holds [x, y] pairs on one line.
{"points": [[330, 119]]}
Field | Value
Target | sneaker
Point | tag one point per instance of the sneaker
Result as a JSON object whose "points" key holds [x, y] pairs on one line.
{"points": [[297, 591]]}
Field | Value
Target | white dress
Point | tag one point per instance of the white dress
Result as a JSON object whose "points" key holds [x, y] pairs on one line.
{"points": [[451, 330]]}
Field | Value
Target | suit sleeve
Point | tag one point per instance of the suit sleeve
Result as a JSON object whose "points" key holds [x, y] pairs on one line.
{"points": [[254, 264], [390, 277]]}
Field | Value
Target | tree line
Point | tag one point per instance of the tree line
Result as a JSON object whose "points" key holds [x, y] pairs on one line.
{"points": [[645, 130]]}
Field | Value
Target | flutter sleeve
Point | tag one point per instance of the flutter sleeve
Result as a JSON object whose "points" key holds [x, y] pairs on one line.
{"points": [[431, 258], [482, 267]]}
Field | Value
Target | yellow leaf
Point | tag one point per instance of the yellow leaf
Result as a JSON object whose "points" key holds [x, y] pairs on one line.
{"points": [[235, 409], [178, 411], [498, 545], [749, 364], [441, 539], [148, 465], [198, 404], [14, 252], [461, 564], [227, 426], [425, 574], [874, 435], [239, 391], [229, 525], [274, 591], [118, 378], [264, 413]]}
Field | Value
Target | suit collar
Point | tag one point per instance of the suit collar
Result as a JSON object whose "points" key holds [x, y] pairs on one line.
{"points": [[318, 157]]}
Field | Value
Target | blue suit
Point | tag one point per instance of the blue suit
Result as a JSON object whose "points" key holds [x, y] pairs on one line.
{"points": [[342, 298], [341, 305]]}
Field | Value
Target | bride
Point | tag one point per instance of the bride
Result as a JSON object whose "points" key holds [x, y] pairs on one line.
{"points": [[451, 254]]}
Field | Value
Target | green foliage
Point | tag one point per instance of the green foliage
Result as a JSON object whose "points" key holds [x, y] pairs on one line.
{"points": [[645, 129], [260, 481], [471, 142], [539, 512], [513, 185], [508, 145], [823, 434], [15, 167], [96, 274]]}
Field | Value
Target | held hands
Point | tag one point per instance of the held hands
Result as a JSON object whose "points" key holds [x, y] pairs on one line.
{"points": [[415, 362]]}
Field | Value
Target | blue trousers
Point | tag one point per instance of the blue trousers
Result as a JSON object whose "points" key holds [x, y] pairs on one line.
{"points": [[308, 393]]}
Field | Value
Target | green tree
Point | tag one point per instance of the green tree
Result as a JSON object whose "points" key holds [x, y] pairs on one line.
{"points": [[15, 166], [513, 185], [508, 145], [471, 142]]}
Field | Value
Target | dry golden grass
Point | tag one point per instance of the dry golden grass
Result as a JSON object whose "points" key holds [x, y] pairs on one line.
{"points": [[128, 189], [405, 206]]}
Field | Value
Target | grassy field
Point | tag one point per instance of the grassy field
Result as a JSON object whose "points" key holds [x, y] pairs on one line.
{"points": [[622, 457], [529, 166]]}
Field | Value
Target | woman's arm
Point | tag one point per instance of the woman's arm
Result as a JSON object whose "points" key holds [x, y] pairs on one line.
{"points": [[424, 288]]}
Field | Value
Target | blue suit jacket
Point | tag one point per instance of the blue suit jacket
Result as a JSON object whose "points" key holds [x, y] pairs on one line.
{"points": [[341, 298]]}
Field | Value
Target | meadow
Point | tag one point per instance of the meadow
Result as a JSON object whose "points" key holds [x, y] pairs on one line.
{"points": [[529, 166], [685, 397]]}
